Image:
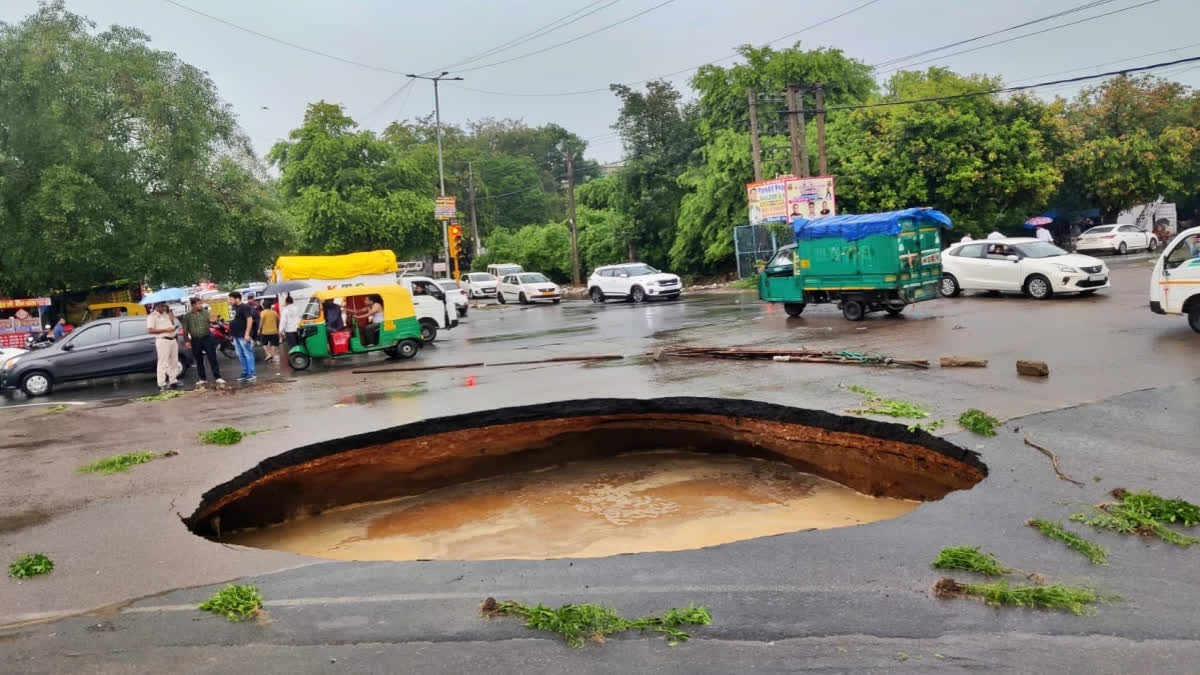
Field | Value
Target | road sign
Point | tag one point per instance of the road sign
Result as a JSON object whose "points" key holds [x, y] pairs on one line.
{"points": [[444, 208], [439, 267]]}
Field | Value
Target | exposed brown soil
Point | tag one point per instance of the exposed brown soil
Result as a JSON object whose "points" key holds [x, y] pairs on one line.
{"points": [[947, 588]]}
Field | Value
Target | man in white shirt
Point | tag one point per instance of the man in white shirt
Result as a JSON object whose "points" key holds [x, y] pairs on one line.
{"points": [[290, 322], [161, 325], [1044, 234]]}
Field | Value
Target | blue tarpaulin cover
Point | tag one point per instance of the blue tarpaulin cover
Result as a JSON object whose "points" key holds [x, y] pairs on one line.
{"points": [[855, 227]]}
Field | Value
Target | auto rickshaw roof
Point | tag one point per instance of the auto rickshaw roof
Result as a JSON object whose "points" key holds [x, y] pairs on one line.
{"points": [[862, 225], [382, 290]]}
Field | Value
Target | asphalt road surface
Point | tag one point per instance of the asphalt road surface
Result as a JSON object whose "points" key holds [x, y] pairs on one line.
{"points": [[1118, 408]]}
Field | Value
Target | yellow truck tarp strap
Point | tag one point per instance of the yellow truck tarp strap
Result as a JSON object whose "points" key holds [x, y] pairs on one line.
{"points": [[334, 266]]}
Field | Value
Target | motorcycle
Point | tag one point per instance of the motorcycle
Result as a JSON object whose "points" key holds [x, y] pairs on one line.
{"points": [[39, 340], [220, 333]]}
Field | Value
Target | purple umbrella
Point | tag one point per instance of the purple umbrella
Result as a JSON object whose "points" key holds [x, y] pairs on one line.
{"points": [[1038, 220]]}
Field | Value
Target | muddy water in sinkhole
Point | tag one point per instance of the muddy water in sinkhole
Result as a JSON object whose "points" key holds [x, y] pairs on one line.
{"points": [[647, 501]]}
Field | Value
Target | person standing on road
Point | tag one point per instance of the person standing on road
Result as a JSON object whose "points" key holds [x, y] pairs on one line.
{"points": [[161, 325], [240, 331], [290, 322], [196, 326], [268, 331], [60, 329], [1044, 235]]}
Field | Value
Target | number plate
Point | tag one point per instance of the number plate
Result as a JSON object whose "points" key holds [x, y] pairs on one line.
{"points": [[1096, 277], [547, 292]]}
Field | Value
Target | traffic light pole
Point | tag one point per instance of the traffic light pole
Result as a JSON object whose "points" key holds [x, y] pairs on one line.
{"points": [[437, 115]]}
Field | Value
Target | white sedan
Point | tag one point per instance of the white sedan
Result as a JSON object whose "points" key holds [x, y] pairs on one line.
{"points": [[478, 285], [1116, 239], [527, 287], [1037, 268]]}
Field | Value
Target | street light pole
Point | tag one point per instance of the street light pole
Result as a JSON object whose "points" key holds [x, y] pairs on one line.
{"points": [[437, 116]]}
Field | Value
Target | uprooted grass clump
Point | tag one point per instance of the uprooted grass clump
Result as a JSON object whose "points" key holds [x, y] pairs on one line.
{"points": [[1144, 513], [118, 463], [222, 436], [998, 593], [164, 395], [578, 623], [61, 407], [1090, 550], [979, 422], [889, 407], [969, 558], [30, 565], [236, 603]]}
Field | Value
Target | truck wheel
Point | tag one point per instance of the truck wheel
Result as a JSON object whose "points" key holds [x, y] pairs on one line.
{"points": [[429, 330], [793, 309], [1194, 318], [853, 310], [299, 360], [37, 383]]}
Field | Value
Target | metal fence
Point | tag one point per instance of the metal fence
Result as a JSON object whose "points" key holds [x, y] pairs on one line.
{"points": [[752, 243]]}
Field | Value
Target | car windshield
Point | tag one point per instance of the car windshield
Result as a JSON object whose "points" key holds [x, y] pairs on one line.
{"points": [[1099, 230], [639, 270], [482, 276], [785, 256], [449, 285], [1039, 249], [532, 278]]}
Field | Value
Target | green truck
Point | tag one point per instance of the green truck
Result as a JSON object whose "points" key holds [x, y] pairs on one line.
{"points": [[866, 263]]}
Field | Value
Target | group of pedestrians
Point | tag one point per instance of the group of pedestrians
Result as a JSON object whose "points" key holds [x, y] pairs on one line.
{"points": [[247, 322]]}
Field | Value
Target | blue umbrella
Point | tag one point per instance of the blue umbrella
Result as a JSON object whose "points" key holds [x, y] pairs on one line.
{"points": [[164, 295]]}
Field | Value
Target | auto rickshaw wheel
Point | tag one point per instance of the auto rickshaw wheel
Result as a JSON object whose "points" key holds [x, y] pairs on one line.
{"points": [[405, 349], [853, 310], [894, 310], [299, 360], [794, 309]]}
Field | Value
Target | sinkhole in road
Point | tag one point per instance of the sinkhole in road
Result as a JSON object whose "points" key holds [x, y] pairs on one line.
{"points": [[583, 478]]}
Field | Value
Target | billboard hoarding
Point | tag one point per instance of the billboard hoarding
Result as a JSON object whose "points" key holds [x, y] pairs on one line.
{"points": [[444, 208], [809, 198], [767, 201]]}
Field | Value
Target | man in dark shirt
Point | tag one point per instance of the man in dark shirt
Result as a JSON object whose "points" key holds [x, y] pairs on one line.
{"points": [[199, 335], [240, 332]]}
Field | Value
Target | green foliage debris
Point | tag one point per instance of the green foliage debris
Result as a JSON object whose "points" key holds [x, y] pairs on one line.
{"points": [[222, 436], [978, 422], [969, 558], [57, 408], [998, 593], [164, 395], [1090, 550], [578, 623], [118, 463], [236, 603], [888, 407], [1143, 513], [927, 426], [29, 565]]}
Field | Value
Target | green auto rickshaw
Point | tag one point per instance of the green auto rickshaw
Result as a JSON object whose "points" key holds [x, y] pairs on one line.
{"points": [[395, 331]]}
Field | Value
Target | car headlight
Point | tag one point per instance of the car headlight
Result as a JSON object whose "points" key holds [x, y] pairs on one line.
{"points": [[1065, 268], [651, 283], [9, 363]]}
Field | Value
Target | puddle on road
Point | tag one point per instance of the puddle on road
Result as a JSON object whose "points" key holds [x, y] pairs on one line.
{"points": [[647, 501]]}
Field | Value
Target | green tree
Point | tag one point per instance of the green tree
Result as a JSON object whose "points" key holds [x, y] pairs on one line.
{"points": [[599, 237], [118, 160], [349, 192]]}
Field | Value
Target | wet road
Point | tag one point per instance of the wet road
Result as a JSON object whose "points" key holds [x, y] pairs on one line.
{"points": [[116, 538]]}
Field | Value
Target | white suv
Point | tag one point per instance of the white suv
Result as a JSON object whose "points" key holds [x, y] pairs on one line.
{"points": [[632, 281]]}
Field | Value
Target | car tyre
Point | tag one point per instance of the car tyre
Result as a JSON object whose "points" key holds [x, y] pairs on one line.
{"points": [[637, 294], [853, 310], [37, 383], [522, 299], [1194, 318], [1122, 249], [1038, 287], [1153, 246], [500, 297], [949, 286], [429, 330], [299, 360], [557, 300], [597, 296], [793, 309]]}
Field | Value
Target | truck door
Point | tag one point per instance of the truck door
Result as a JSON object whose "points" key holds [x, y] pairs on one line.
{"points": [[927, 263]]}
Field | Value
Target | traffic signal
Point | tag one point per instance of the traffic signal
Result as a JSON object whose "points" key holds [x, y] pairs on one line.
{"points": [[456, 243]]}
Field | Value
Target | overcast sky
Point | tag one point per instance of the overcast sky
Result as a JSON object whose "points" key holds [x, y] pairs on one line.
{"points": [[269, 84]]}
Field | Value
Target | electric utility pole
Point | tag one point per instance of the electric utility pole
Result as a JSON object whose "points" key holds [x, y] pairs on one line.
{"points": [[755, 145], [796, 130], [437, 116], [821, 161], [471, 191], [571, 215]]}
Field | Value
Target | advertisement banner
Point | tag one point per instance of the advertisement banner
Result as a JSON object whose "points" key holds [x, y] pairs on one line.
{"points": [[810, 198], [767, 201], [444, 208]]}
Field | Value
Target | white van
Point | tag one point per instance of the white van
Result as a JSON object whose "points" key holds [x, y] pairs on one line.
{"points": [[1175, 284], [429, 300], [502, 270]]}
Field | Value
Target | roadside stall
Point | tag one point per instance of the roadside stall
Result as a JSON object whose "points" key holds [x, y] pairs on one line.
{"points": [[20, 318]]}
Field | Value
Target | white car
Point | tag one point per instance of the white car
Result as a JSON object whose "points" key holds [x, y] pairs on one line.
{"points": [[632, 281], [454, 294], [528, 287], [1037, 268], [478, 285], [1116, 239]]}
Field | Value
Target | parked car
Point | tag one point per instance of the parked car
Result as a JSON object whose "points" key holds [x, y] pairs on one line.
{"points": [[478, 285], [632, 281], [1116, 239], [102, 348], [528, 287], [500, 270], [1175, 283], [429, 300], [1037, 268], [454, 294]]}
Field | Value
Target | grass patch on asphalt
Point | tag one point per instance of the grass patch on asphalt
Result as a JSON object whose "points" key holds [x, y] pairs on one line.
{"points": [[57, 408], [969, 558], [1090, 550], [118, 463], [222, 436], [235, 603], [1144, 513], [579, 623], [979, 422], [889, 407], [164, 395], [744, 284], [1073, 599], [30, 565]]}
